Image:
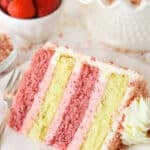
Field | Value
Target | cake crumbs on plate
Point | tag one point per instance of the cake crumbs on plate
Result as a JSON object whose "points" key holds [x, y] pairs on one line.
{"points": [[6, 46]]}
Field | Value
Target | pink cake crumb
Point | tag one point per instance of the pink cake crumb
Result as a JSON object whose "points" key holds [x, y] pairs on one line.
{"points": [[76, 109], [28, 88]]}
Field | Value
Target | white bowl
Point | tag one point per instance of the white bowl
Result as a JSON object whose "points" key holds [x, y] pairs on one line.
{"points": [[12, 56], [120, 24], [34, 30]]}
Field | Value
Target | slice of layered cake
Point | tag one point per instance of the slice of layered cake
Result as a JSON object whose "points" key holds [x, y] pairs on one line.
{"points": [[74, 102]]}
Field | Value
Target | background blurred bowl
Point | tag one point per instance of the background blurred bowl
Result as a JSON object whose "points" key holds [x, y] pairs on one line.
{"points": [[120, 23], [33, 30], [12, 56]]}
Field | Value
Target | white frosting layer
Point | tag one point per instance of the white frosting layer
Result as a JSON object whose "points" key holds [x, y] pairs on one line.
{"points": [[137, 123], [105, 68]]}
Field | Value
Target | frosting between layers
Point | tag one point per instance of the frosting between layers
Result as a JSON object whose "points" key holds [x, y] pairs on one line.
{"points": [[28, 88], [64, 103], [53, 97], [105, 67], [137, 122], [74, 113], [38, 99], [85, 124], [103, 118]]}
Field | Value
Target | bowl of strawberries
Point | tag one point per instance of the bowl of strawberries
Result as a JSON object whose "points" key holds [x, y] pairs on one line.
{"points": [[30, 20]]}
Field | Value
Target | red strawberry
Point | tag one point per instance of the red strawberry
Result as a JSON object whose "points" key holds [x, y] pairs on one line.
{"points": [[21, 8], [45, 7], [4, 4]]}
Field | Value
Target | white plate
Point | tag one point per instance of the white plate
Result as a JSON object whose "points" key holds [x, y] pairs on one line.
{"points": [[14, 141]]}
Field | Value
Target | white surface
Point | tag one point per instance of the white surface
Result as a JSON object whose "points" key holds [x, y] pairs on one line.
{"points": [[14, 141], [86, 1]]}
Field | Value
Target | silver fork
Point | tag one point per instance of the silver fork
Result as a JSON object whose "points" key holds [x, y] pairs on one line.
{"points": [[12, 85], [8, 94]]}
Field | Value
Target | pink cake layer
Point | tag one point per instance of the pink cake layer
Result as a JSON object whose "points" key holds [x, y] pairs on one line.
{"points": [[85, 124], [38, 100], [28, 88], [77, 107], [69, 91]]}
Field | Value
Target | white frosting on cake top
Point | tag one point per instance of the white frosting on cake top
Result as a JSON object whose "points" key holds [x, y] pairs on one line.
{"points": [[137, 123]]}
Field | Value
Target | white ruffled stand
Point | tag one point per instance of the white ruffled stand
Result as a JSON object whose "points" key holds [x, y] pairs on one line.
{"points": [[120, 24]]}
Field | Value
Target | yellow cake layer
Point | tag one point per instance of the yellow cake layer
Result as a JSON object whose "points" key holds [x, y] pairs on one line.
{"points": [[102, 121], [53, 96]]}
